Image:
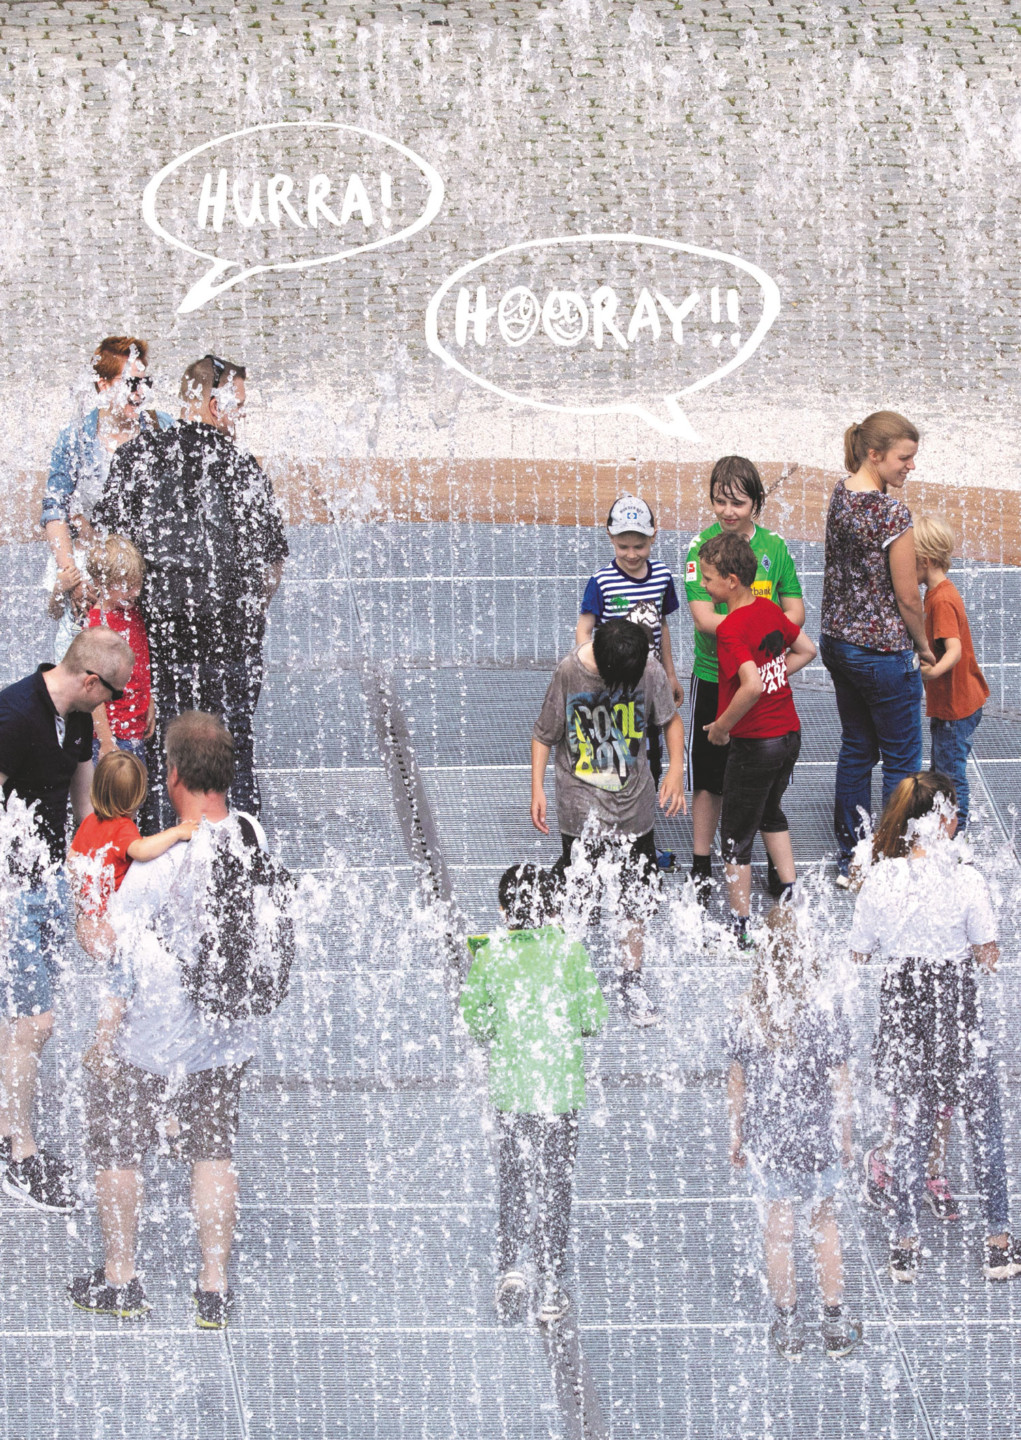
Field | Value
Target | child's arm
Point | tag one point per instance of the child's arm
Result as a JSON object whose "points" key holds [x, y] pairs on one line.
{"points": [[101, 725], [540, 756], [584, 628], [735, 1105], [666, 645], [706, 620], [842, 1091], [801, 653], [671, 787], [150, 847], [748, 692], [150, 720], [951, 655]]}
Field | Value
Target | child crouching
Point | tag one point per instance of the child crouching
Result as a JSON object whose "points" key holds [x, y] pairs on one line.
{"points": [[788, 1088], [533, 994]]}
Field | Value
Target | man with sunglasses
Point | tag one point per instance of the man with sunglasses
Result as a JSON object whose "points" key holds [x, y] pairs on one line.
{"points": [[45, 761], [79, 466], [203, 514]]}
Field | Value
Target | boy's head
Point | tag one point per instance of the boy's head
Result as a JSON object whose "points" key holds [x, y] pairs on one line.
{"points": [[728, 565], [621, 652], [736, 492], [934, 541], [631, 527], [117, 570], [528, 896]]}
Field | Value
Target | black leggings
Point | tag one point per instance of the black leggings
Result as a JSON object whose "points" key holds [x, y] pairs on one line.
{"points": [[537, 1155]]}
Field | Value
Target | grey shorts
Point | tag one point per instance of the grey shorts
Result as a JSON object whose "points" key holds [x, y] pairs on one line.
{"points": [[125, 1107]]}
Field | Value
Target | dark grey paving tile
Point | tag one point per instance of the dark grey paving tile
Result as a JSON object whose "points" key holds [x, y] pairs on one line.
{"points": [[312, 719], [317, 818]]}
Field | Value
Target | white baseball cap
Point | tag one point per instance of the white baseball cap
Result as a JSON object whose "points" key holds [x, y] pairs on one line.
{"points": [[630, 513]]}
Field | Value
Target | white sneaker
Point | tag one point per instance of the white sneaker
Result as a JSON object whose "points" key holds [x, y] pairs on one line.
{"points": [[638, 1008], [554, 1302], [511, 1298]]}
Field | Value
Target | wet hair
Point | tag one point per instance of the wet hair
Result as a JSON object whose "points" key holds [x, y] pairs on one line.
{"points": [[915, 796], [197, 381], [785, 975], [734, 477], [621, 653], [876, 432], [119, 785], [115, 561], [111, 354], [730, 555], [99, 650], [201, 749], [934, 540], [529, 896]]}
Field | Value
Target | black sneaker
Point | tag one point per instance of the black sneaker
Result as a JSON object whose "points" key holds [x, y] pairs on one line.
{"points": [[840, 1336], [212, 1308], [638, 1008], [554, 1302], [511, 1297], [787, 1336], [1003, 1264], [665, 860], [124, 1302], [43, 1181], [703, 888], [738, 928], [904, 1263]]}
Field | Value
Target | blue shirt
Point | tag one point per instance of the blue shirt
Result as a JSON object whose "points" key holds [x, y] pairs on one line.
{"points": [[612, 595], [77, 463], [38, 763]]}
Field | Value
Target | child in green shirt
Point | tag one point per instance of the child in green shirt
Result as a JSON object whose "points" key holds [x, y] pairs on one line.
{"points": [[533, 994]]}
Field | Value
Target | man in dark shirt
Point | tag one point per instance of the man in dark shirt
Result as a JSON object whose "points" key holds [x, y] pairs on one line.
{"points": [[203, 514], [45, 759]]}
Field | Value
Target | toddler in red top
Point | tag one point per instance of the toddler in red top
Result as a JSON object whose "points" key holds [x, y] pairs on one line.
{"points": [[105, 844], [117, 571], [955, 688], [758, 648]]}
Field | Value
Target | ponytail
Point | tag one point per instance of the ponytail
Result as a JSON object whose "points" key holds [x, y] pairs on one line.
{"points": [[876, 432], [915, 796]]}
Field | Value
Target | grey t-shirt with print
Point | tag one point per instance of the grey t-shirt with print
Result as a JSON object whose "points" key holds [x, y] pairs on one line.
{"points": [[602, 763]]}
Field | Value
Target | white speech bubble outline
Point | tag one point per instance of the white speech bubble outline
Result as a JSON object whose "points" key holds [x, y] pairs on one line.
{"points": [[206, 288], [678, 425]]}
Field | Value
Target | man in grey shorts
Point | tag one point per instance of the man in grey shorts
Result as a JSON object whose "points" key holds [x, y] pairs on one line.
{"points": [[170, 1071]]}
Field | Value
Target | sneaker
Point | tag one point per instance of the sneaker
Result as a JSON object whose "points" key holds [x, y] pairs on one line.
{"points": [[43, 1181], [638, 1008], [511, 1298], [904, 1263], [1003, 1264], [787, 1336], [840, 1336], [212, 1308], [703, 888], [842, 881], [665, 860], [876, 1183], [939, 1199], [740, 934], [554, 1302], [124, 1302]]}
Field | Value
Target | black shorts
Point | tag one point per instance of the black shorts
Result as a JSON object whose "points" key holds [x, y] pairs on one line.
{"points": [[639, 872], [704, 763], [758, 772]]}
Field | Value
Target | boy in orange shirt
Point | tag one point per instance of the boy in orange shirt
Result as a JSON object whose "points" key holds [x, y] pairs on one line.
{"points": [[955, 688]]}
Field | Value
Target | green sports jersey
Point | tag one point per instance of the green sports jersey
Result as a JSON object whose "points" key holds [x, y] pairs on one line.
{"points": [[776, 579]]}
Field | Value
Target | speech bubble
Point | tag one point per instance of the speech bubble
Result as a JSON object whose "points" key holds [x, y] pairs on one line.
{"points": [[608, 320], [275, 197]]}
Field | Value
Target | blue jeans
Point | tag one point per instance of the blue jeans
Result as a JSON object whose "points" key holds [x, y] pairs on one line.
{"points": [[879, 701], [38, 929], [133, 747], [951, 745]]}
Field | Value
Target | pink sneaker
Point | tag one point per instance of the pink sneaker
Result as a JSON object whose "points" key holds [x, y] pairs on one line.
{"points": [[939, 1199], [875, 1190]]}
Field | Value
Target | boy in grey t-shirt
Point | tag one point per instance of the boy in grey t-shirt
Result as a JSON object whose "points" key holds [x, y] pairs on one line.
{"points": [[598, 704]]}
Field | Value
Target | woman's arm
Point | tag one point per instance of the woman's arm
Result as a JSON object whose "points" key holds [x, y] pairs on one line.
{"points": [[905, 589]]}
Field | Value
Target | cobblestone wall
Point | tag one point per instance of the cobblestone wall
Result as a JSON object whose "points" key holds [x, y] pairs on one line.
{"points": [[865, 155]]}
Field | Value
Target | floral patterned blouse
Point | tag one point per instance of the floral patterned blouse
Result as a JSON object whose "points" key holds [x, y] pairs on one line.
{"points": [[858, 601]]}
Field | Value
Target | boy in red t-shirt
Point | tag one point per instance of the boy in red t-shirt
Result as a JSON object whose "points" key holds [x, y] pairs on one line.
{"points": [[955, 688], [117, 571], [757, 650]]}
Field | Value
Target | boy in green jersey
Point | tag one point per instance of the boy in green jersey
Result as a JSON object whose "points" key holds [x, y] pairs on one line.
{"points": [[737, 495], [533, 994]]}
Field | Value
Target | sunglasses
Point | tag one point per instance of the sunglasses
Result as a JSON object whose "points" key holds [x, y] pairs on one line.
{"points": [[219, 366], [115, 694], [139, 384]]}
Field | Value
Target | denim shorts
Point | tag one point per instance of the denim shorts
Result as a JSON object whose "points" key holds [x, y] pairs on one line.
{"points": [[39, 928], [808, 1187]]}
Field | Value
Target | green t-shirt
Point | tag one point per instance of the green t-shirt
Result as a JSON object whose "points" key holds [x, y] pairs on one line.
{"points": [[776, 579]]}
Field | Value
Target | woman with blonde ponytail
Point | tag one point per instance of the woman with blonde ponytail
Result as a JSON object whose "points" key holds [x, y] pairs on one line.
{"points": [[873, 630], [931, 917]]}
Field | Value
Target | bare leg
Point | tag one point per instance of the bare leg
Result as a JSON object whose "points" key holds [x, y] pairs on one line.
{"points": [[119, 1201], [214, 1199], [829, 1258], [739, 888], [779, 1241], [705, 820], [634, 948], [940, 1143], [21, 1044], [780, 851]]}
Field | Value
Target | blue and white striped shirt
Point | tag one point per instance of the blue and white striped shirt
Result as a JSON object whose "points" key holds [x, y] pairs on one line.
{"points": [[612, 595]]}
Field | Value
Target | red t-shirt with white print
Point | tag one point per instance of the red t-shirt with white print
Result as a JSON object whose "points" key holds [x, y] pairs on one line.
{"points": [[759, 632]]}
